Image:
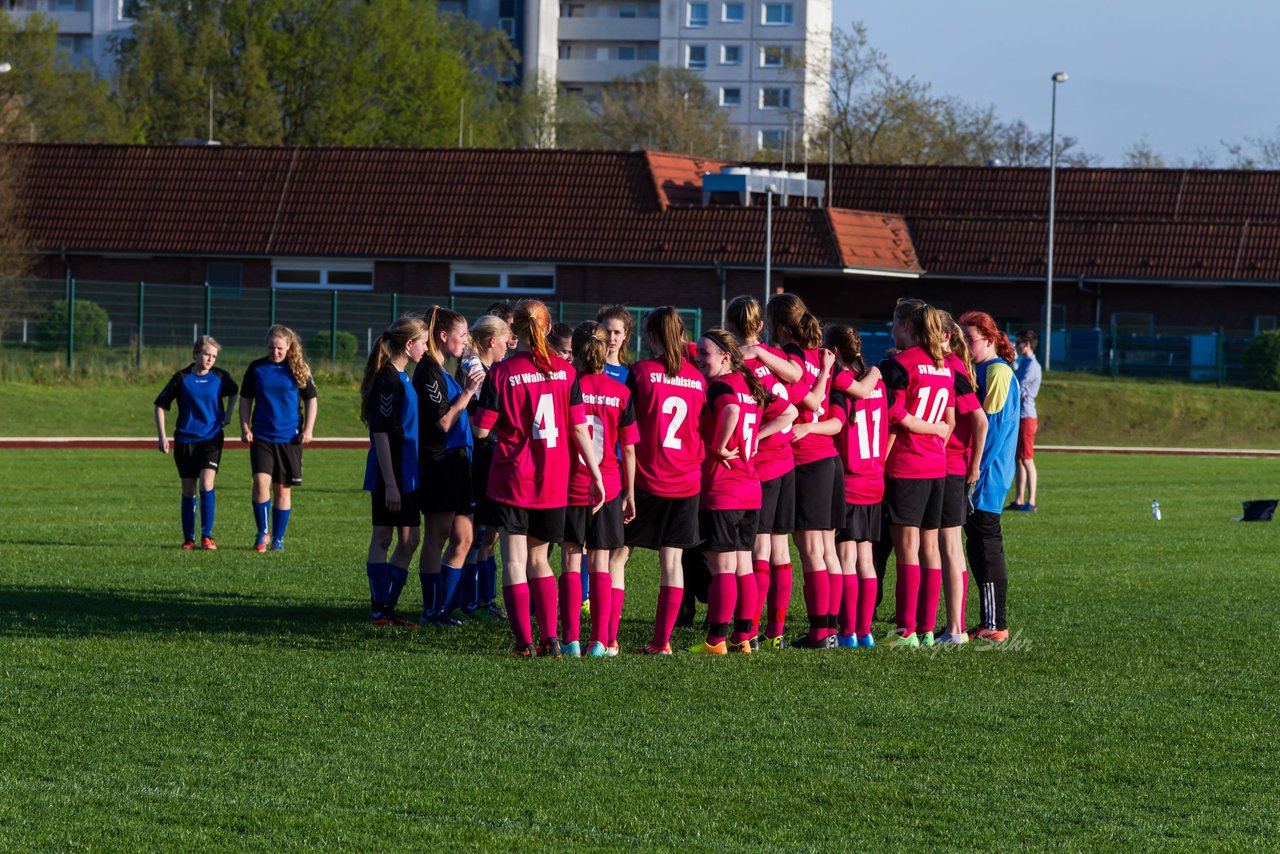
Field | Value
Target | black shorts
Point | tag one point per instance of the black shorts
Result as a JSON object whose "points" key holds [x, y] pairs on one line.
{"points": [[408, 516], [191, 458], [445, 484], [816, 490], [281, 460], [777, 505], [861, 523], [546, 524], [728, 530], [915, 502], [481, 462], [663, 522], [603, 530], [955, 503]]}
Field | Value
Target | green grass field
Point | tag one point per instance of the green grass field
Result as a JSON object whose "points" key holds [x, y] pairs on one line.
{"points": [[155, 698]]}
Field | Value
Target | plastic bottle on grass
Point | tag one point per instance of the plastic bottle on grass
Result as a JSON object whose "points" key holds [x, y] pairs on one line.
{"points": [[1155, 510]]}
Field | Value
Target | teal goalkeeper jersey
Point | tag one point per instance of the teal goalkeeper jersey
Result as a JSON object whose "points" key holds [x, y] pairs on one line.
{"points": [[998, 391]]}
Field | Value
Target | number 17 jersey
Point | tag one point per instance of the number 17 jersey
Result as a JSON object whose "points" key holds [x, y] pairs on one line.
{"points": [[669, 453]]}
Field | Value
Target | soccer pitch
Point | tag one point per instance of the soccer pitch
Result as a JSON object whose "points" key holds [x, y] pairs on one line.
{"points": [[155, 698]]}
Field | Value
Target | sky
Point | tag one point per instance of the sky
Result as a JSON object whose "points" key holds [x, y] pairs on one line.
{"points": [[1184, 74]]}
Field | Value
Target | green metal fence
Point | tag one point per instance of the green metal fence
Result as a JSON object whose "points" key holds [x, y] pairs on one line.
{"points": [[61, 321]]}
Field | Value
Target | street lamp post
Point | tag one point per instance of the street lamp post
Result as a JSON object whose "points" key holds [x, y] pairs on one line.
{"points": [[1058, 77], [768, 242]]}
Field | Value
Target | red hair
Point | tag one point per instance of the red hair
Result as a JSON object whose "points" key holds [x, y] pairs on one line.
{"points": [[532, 322], [987, 328]]}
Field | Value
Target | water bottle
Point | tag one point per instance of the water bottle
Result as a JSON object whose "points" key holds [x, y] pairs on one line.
{"points": [[1155, 510]]}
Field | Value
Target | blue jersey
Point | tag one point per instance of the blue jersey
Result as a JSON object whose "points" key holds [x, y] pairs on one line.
{"points": [[276, 400], [617, 372], [437, 392], [998, 391], [200, 408], [394, 411]]}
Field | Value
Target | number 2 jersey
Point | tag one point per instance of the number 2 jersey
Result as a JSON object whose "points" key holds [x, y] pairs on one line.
{"points": [[669, 453], [606, 404], [531, 414], [927, 392], [735, 486]]}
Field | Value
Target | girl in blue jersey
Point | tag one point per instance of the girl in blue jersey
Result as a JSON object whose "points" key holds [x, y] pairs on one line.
{"points": [[619, 325], [200, 390], [445, 465], [998, 391], [274, 389], [389, 406]]}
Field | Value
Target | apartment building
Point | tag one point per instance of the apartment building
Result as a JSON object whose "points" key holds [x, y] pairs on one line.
{"points": [[85, 27]]}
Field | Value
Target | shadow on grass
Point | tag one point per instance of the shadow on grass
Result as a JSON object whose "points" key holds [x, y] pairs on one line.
{"points": [[32, 611]]}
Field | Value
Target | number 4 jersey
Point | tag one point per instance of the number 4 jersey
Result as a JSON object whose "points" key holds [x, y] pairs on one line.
{"points": [[532, 415], [669, 453], [611, 418]]}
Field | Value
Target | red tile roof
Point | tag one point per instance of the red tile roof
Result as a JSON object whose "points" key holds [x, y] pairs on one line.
{"points": [[448, 204]]}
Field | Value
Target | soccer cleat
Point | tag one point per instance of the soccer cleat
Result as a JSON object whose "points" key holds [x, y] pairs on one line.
{"points": [[277, 545], [1013, 505], [188, 544], [651, 649], [1028, 508], [572, 649], [495, 611], [611, 650], [806, 642], [208, 544], [550, 648], [893, 640], [382, 621], [447, 620], [704, 648], [482, 615], [774, 643], [523, 651], [867, 641], [926, 639], [743, 648], [990, 635], [754, 643], [847, 641], [400, 622], [952, 639], [260, 544], [597, 650]]}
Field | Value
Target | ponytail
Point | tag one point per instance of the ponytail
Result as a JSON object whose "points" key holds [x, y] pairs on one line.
{"points": [[931, 335], [987, 328], [743, 315], [440, 319], [956, 343], [729, 344], [532, 322], [787, 313], [847, 344], [394, 340], [590, 347], [664, 326]]}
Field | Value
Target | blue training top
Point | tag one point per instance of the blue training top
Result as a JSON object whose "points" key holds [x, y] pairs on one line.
{"points": [[617, 372], [394, 411], [200, 410], [276, 400], [998, 391], [437, 391]]}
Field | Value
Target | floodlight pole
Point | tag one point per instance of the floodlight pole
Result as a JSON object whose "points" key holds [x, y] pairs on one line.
{"points": [[1058, 77], [768, 243]]}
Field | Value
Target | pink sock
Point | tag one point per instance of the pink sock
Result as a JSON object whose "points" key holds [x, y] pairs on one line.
{"points": [[849, 606], [927, 604], [779, 599], [835, 595], [570, 606], [543, 592], [760, 575], [746, 614], [721, 599], [866, 603], [601, 606], [668, 609], [964, 598], [616, 598], [817, 596], [907, 595], [516, 598]]}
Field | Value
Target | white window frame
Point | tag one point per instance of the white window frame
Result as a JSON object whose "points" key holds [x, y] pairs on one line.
{"points": [[788, 14], [688, 57], [786, 97], [503, 272], [508, 27], [325, 267], [724, 102], [724, 54], [761, 144], [780, 54], [724, 13], [706, 15]]}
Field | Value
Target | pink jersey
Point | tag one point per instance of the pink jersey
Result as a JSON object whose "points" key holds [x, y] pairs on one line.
{"points": [[960, 445], [736, 486], [927, 391], [532, 416], [864, 442], [811, 448], [669, 453], [606, 403], [773, 453]]}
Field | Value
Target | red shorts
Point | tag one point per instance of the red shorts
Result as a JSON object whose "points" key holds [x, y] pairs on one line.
{"points": [[1026, 439]]}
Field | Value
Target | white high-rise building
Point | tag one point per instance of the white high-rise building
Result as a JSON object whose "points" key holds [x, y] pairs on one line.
{"points": [[85, 27]]}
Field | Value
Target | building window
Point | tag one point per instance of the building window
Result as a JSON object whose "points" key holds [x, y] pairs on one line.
{"points": [[773, 140], [1264, 323], [731, 97], [224, 279], [651, 10], [508, 26], [573, 10], [626, 52], [731, 54], [775, 57], [322, 275], [697, 15], [696, 57], [777, 14], [731, 13], [627, 10], [648, 52], [466, 278], [772, 98]]}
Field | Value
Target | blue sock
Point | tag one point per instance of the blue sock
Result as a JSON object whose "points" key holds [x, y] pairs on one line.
{"points": [[488, 580], [188, 518], [470, 586], [431, 589], [586, 585], [398, 576], [279, 521], [452, 580], [207, 505], [378, 581], [260, 513]]}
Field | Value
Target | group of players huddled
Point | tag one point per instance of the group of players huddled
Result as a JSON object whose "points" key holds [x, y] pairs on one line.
{"points": [[725, 445]]}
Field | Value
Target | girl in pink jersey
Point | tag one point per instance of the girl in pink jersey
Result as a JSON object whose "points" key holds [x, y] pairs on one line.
{"points": [[531, 403], [668, 394], [730, 503], [612, 421], [775, 465], [917, 465]]}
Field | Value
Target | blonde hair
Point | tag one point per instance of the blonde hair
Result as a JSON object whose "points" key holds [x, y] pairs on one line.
{"points": [[664, 326], [744, 316], [619, 312], [590, 347], [394, 340], [204, 341], [298, 366], [787, 313], [485, 329], [440, 319], [532, 323], [924, 322], [957, 344]]}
